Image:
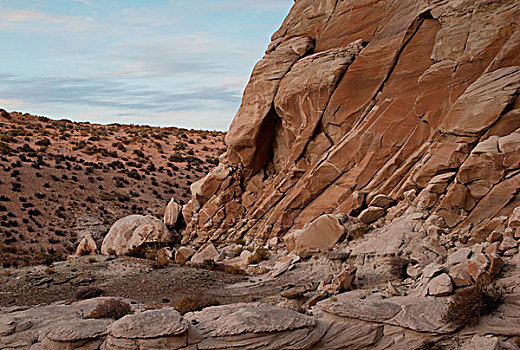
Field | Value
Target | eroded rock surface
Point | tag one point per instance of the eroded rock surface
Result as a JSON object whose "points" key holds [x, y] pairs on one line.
{"points": [[360, 103]]}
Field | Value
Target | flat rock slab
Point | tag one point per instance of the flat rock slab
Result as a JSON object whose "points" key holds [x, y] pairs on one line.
{"points": [[415, 313], [75, 330], [149, 324], [236, 319]]}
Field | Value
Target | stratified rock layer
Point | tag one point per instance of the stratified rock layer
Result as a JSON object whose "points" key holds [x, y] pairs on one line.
{"points": [[355, 99]]}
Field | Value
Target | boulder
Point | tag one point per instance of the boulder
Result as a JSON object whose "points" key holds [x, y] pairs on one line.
{"points": [[184, 254], [206, 252], [133, 231], [172, 213], [323, 234], [371, 214], [87, 246]]}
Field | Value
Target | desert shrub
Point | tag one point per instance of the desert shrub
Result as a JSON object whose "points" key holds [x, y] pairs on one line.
{"points": [[111, 308], [5, 149], [259, 254], [469, 304], [176, 157], [398, 266], [43, 142], [134, 174], [88, 292], [195, 302]]}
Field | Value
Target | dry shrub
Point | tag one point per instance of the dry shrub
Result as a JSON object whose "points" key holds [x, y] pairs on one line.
{"points": [[469, 304], [111, 308], [195, 303], [259, 254], [88, 292], [398, 266], [213, 266]]}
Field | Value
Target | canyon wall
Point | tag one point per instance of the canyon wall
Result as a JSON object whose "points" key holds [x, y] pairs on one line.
{"points": [[417, 100]]}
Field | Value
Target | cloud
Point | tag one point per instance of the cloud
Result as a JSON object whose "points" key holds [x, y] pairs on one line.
{"points": [[18, 17], [258, 5], [116, 95]]}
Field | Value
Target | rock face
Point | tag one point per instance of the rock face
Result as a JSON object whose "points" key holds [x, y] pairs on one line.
{"points": [[134, 231], [360, 104]]}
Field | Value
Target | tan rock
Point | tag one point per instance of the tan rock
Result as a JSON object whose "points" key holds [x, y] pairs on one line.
{"points": [[345, 279], [87, 246], [183, 254], [477, 266], [495, 264], [149, 324], [206, 252], [508, 243], [514, 220], [371, 214], [381, 201], [440, 285], [133, 231], [323, 234], [172, 213], [460, 276]]}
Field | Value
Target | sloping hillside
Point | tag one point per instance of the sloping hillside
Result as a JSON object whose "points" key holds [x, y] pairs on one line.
{"points": [[60, 180]]}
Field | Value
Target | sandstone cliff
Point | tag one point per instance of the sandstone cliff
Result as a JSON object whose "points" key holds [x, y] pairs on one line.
{"points": [[417, 100]]}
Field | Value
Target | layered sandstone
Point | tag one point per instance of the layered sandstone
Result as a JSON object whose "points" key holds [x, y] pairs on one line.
{"points": [[355, 99]]}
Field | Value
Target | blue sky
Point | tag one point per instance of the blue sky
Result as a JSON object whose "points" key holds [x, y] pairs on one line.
{"points": [[167, 63]]}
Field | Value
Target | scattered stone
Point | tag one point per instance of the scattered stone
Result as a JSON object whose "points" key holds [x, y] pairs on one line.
{"points": [[508, 243], [183, 254], [345, 279], [432, 270], [495, 264], [371, 214], [494, 236], [414, 271], [514, 220], [440, 285], [293, 293], [460, 276], [477, 267], [459, 256]]}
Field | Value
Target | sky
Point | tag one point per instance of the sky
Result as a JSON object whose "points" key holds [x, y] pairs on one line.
{"points": [[181, 63]]}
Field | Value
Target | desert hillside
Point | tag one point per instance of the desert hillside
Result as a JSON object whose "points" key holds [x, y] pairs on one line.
{"points": [[60, 180]]}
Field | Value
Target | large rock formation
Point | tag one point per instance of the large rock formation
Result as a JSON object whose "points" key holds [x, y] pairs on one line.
{"points": [[134, 231], [354, 99]]}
